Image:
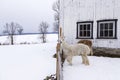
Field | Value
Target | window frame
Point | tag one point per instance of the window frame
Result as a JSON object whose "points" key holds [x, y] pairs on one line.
{"points": [[114, 22], [78, 30]]}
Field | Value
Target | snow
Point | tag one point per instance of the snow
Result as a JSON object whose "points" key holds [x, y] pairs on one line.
{"points": [[100, 68], [34, 39], [35, 62], [28, 62]]}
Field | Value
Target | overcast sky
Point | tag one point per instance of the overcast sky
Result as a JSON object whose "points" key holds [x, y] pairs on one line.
{"points": [[28, 13]]}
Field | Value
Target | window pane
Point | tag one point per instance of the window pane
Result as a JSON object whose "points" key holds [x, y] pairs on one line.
{"points": [[88, 33], [85, 27], [80, 33], [111, 33], [101, 27], [106, 32], [84, 34], [110, 25], [101, 33], [106, 25], [80, 30], [88, 26], [81, 27]]}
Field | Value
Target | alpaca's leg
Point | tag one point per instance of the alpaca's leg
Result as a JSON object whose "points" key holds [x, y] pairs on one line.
{"points": [[83, 60], [91, 51], [86, 59], [69, 59]]}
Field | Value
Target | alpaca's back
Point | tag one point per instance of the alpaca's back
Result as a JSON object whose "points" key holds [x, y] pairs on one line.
{"points": [[87, 42], [80, 48], [75, 49]]}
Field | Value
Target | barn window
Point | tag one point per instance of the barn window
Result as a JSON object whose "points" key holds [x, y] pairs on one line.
{"points": [[106, 29], [85, 30]]}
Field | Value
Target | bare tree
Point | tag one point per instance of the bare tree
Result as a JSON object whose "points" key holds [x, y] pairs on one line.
{"points": [[20, 30], [10, 30], [43, 30], [56, 8]]}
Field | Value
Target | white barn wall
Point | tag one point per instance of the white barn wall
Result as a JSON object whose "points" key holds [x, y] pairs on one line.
{"points": [[106, 11], [73, 11]]}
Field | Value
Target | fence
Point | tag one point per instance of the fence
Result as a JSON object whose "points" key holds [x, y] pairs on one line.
{"points": [[59, 73]]}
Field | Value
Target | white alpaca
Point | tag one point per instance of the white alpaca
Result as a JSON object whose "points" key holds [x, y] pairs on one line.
{"points": [[76, 50]]}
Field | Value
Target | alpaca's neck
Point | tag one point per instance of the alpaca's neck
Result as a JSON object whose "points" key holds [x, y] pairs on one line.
{"points": [[65, 45]]}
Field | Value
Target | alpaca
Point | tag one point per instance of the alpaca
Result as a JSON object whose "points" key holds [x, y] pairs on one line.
{"points": [[75, 50], [87, 42]]}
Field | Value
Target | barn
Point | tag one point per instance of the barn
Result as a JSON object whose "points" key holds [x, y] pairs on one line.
{"points": [[95, 20]]}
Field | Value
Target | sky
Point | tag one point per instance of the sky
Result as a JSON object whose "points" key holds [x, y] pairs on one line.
{"points": [[27, 13]]}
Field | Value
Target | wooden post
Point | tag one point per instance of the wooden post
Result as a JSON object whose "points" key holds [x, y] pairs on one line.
{"points": [[59, 74], [57, 68]]}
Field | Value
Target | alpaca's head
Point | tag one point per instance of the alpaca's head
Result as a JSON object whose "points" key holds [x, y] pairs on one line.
{"points": [[62, 39], [64, 45]]}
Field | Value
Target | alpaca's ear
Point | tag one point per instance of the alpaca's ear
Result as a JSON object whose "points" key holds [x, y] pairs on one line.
{"points": [[61, 35]]}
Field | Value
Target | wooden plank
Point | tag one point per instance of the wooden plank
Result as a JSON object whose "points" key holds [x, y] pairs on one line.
{"points": [[59, 74]]}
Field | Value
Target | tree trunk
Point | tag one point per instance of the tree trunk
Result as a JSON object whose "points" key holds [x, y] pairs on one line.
{"points": [[11, 39], [44, 38]]}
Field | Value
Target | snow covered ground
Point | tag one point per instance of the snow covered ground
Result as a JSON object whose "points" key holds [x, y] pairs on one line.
{"points": [[28, 39], [35, 62], [28, 62], [100, 68]]}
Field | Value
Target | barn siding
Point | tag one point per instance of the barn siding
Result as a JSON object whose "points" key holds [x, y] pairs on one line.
{"points": [[73, 11]]}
